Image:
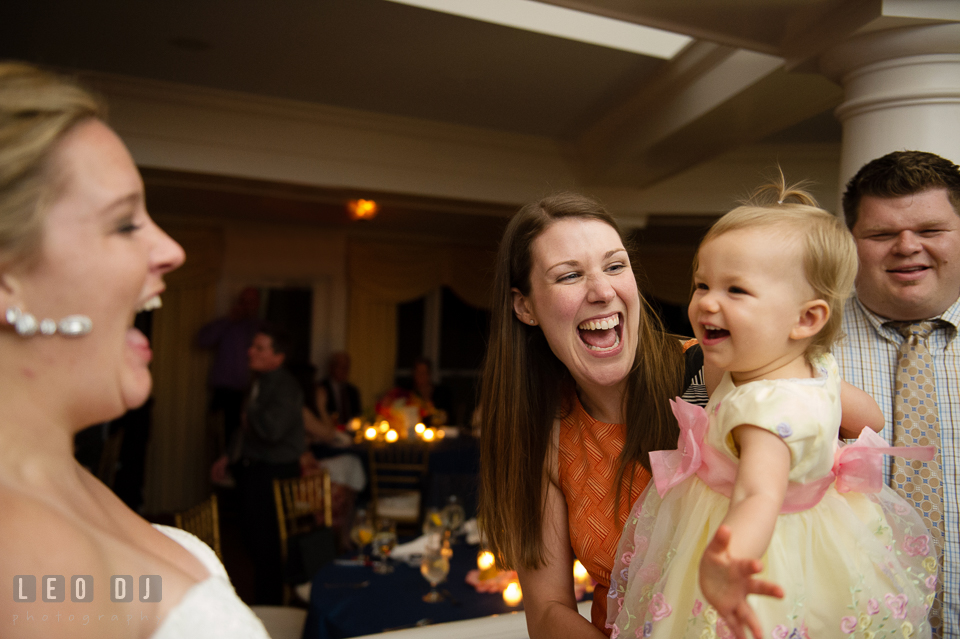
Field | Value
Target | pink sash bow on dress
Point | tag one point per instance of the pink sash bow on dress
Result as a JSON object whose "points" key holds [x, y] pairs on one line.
{"points": [[856, 467]]}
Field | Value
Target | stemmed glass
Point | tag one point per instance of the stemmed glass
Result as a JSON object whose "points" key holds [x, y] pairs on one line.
{"points": [[383, 542], [434, 567], [361, 533], [453, 515], [432, 522]]}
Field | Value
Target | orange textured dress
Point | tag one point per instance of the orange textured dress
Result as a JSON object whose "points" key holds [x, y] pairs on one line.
{"points": [[587, 460]]}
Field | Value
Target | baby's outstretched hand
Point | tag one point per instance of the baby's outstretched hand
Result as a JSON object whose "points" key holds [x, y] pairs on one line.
{"points": [[726, 581]]}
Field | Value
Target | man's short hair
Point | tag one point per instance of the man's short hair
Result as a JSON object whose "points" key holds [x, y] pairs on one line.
{"points": [[898, 174], [280, 338]]}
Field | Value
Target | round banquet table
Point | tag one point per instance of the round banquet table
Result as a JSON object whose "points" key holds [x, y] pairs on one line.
{"points": [[341, 606]]}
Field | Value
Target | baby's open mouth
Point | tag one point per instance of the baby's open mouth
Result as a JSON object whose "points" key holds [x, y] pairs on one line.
{"points": [[601, 334], [714, 332]]}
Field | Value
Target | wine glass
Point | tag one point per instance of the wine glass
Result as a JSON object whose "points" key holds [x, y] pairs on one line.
{"points": [[383, 542], [432, 522], [361, 533], [434, 567], [453, 515]]}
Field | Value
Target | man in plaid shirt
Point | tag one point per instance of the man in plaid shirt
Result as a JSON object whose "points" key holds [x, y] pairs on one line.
{"points": [[904, 212]]}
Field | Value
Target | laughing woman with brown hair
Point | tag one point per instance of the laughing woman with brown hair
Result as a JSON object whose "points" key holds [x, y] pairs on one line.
{"points": [[575, 394]]}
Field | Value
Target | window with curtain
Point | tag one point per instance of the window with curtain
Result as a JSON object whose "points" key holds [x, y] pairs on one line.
{"points": [[452, 334]]}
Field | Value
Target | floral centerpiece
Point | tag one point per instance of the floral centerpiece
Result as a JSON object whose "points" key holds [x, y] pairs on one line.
{"points": [[394, 406]]}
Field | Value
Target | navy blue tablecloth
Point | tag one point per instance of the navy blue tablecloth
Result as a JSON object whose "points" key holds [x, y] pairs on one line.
{"points": [[390, 601]]}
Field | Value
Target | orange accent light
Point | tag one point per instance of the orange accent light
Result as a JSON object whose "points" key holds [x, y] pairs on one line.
{"points": [[362, 209]]}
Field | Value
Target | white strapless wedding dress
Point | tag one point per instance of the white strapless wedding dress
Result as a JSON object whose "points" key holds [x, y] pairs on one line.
{"points": [[211, 608]]}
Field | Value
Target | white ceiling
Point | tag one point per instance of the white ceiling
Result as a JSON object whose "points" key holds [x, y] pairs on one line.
{"points": [[624, 123]]}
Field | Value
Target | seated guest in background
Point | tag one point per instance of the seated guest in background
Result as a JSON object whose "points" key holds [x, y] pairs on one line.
{"points": [[79, 255], [319, 425], [340, 398], [901, 326], [231, 336], [324, 436], [269, 445], [433, 402], [436, 400]]}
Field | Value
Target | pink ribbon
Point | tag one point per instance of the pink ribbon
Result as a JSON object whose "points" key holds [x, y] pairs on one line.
{"points": [[670, 467], [856, 467]]}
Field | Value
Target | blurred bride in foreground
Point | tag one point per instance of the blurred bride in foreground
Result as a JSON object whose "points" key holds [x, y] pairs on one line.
{"points": [[79, 257]]}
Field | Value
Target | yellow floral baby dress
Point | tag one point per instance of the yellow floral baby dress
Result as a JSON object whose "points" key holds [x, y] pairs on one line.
{"points": [[853, 557]]}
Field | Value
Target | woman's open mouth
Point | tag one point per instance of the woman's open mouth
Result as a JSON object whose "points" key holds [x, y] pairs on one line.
{"points": [[151, 304], [136, 340], [601, 335]]}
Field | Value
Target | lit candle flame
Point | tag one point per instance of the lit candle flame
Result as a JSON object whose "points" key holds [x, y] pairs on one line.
{"points": [[485, 560], [429, 434], [512, 594], [419, 428], [370, 433], [384, 426], [579, 572], [391, 436]]}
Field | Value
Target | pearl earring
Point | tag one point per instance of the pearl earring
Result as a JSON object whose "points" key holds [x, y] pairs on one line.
{"points": [[25, 324]]}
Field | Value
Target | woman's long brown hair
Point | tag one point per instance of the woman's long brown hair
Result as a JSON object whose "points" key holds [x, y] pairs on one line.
{"points": [[524, 385]]}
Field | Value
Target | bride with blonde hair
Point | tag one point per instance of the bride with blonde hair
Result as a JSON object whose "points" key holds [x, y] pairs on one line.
{"points": [[79, 257]]}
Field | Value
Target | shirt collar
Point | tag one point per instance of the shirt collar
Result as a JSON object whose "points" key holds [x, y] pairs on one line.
{"points": [[951, 317]]}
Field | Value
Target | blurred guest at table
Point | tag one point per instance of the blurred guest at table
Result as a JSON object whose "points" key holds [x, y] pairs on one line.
{"points": [[436, 400], [325, 437], [575, 394], [420, 393], [340, 398], [319, 425], [268, 446], [229, 379], [79, 256]]}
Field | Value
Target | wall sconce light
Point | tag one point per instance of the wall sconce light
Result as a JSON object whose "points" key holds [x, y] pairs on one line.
{"points": [[362, 209]]}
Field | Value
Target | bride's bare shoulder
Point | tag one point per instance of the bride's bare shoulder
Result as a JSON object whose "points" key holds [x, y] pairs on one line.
{"points": [[39, 542], [42, 539]]}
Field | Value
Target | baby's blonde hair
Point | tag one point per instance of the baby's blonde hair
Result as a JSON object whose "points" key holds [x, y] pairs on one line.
{"points": [[828, 252]]}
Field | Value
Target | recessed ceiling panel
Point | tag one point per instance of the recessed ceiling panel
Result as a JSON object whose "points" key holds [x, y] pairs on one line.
{"points": [[362, 54]]}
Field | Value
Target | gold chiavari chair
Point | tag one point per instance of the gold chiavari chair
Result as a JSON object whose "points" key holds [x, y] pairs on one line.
{"points": [[304, 509], [397, 476], [203, 520]]}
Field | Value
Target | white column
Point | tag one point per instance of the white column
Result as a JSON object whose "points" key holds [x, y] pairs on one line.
{"points": [[901, 92]]}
